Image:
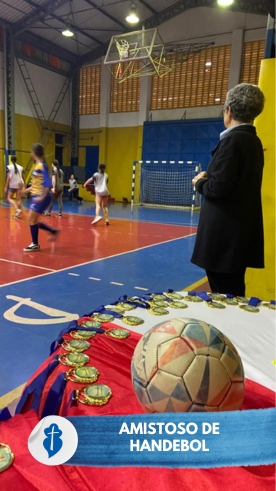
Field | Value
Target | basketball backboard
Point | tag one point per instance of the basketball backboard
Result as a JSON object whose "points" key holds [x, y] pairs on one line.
{"points": [[132, 46]]}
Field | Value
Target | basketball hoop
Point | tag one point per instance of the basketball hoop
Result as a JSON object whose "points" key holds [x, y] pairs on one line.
{"points": [[122, 47]]}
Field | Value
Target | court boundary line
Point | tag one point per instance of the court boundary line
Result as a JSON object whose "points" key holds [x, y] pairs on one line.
{"points": [[11, 396], [98, 260], [196, 284], [29, 265]]}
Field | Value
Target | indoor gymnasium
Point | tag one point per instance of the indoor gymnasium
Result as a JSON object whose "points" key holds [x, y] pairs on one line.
{"points": [[137, 260]]}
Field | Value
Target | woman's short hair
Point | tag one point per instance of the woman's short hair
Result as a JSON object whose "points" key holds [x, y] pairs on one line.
{"points": [[246, 102]]}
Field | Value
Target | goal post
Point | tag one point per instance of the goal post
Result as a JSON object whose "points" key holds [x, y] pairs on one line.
{"points": [[165, 183]]}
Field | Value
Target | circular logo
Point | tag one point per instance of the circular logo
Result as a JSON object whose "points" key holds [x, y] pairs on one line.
{"points": [[53, 441]]}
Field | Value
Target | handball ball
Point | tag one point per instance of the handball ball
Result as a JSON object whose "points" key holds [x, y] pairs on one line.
{"points": [[187, 365]]}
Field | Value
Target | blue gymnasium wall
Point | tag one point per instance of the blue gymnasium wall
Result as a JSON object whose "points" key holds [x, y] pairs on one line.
{"points": [[192, 139]]}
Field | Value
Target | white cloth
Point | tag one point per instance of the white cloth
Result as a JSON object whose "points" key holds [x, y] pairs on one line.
{"points": [[16, 181], [73, 184], [100, 180]]}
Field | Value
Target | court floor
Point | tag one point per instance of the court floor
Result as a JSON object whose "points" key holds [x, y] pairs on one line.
{"points": [[147, 250]]}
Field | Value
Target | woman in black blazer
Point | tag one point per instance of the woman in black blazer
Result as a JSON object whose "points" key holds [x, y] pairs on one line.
{"points": [[230, 231]]}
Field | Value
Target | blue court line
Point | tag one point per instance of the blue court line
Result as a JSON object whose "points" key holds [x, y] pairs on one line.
{"points": [[23, 347]]}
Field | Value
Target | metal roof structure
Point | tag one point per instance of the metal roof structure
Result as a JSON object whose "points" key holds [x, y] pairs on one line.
{"points": [[40, 22]]}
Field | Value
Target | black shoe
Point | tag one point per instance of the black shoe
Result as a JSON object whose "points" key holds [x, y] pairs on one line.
{"points": [[32, 248], [53, 235]]}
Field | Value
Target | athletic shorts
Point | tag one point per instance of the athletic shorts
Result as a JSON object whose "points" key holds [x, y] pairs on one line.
{"points": [[41, 206], [102, 194], [13, 190]]}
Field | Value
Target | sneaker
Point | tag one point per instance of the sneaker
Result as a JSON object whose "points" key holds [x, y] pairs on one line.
{"points": [[59, 215], [16, 217], [53, 235], [18, 213], [46, 214], [96, 220], [32, 248], [107, 222]]}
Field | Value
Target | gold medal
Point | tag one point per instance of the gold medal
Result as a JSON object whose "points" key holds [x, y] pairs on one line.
{"points": [[94, 395], [83, 375], [192, 298], [117, 333], [83, 334], [158, 298], [73, 359], [76, 346], [174, 296], [271, 306], [158, 311], [132, 320], [215, 305], [117, 309], [178, 305], [6, 457], [103, 317], [96, 324], [230, 301], [249, 308], [159, 303], [136, 300], [126, 307], [242, 299], [217, 296]]}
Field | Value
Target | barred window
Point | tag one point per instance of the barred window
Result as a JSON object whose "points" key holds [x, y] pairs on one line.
{"points": [[200, 81], [90, 90], [125, 96], [253, 53]]}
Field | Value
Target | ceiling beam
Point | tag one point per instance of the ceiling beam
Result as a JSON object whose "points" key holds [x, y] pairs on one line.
{"points": [[48, 47], [106, 14], [37, 15], [143, 2]]}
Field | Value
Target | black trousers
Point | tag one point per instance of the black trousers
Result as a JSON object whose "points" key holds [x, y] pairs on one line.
{"points": [[232, 283]]}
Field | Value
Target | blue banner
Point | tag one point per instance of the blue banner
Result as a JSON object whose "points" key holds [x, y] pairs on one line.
{"points": [[186, 440]]}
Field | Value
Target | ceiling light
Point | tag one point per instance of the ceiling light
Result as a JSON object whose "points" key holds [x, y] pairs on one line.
{"points": [[68, 32], [225, 3], [208, 63], [132, 16], [217, 99]]}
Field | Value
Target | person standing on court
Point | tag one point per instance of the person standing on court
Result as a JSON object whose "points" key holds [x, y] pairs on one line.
{"points": [[230, 235], [100, 180], [40, 197], [14, 185], [57, 188]]}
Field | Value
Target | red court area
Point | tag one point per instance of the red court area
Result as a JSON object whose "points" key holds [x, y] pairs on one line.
{"points": [[79, 242]]}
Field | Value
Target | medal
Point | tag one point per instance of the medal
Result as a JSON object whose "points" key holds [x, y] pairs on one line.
{"points": [[83, 375], [132, 320], [178, 305], [126, 307], [75, 346], [271, 306], [230, 301], [215, 305], [174, 296], [73, 359], [242, 299], [217, 296], [160, 303], [158, 298], [117, 333], [83, 334], [136, 300], [249, 308], [117, 309], [193, 298], [94, 395], [96, 324], [103, 317], [158, 311], [6, 457]]}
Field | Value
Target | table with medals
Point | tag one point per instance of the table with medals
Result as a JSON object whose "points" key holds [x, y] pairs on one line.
{"points": [[88, 373]]}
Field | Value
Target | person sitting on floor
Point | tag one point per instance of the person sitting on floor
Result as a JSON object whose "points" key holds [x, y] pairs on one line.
{"points": [[74, 189]]}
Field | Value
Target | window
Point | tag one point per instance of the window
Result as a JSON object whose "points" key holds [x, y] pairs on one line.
{"points": [[200, 81], [125, 96], [90, 90], [253, 53]]}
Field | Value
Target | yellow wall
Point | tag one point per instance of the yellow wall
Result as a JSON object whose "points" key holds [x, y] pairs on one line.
{"points": [[118, 148], [27, 132], [261, 283]]}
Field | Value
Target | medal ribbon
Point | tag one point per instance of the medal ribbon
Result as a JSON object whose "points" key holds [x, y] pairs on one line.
{"points": [[254, 301], [54, 396], [202, 295], [5, 414]]}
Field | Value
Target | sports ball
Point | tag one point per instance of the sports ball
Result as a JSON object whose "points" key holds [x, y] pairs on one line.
{"points": [[187, 365]]}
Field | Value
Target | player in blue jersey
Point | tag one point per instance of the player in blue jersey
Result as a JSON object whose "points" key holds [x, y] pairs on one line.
{"points": [[40, 191]]}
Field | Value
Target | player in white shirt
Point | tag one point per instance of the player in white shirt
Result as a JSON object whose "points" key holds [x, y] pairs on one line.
{"points": [[100, 180], [14, 185]]}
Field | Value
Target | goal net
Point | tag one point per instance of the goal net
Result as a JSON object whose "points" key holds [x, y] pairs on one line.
{"points": [[166, 183]]}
